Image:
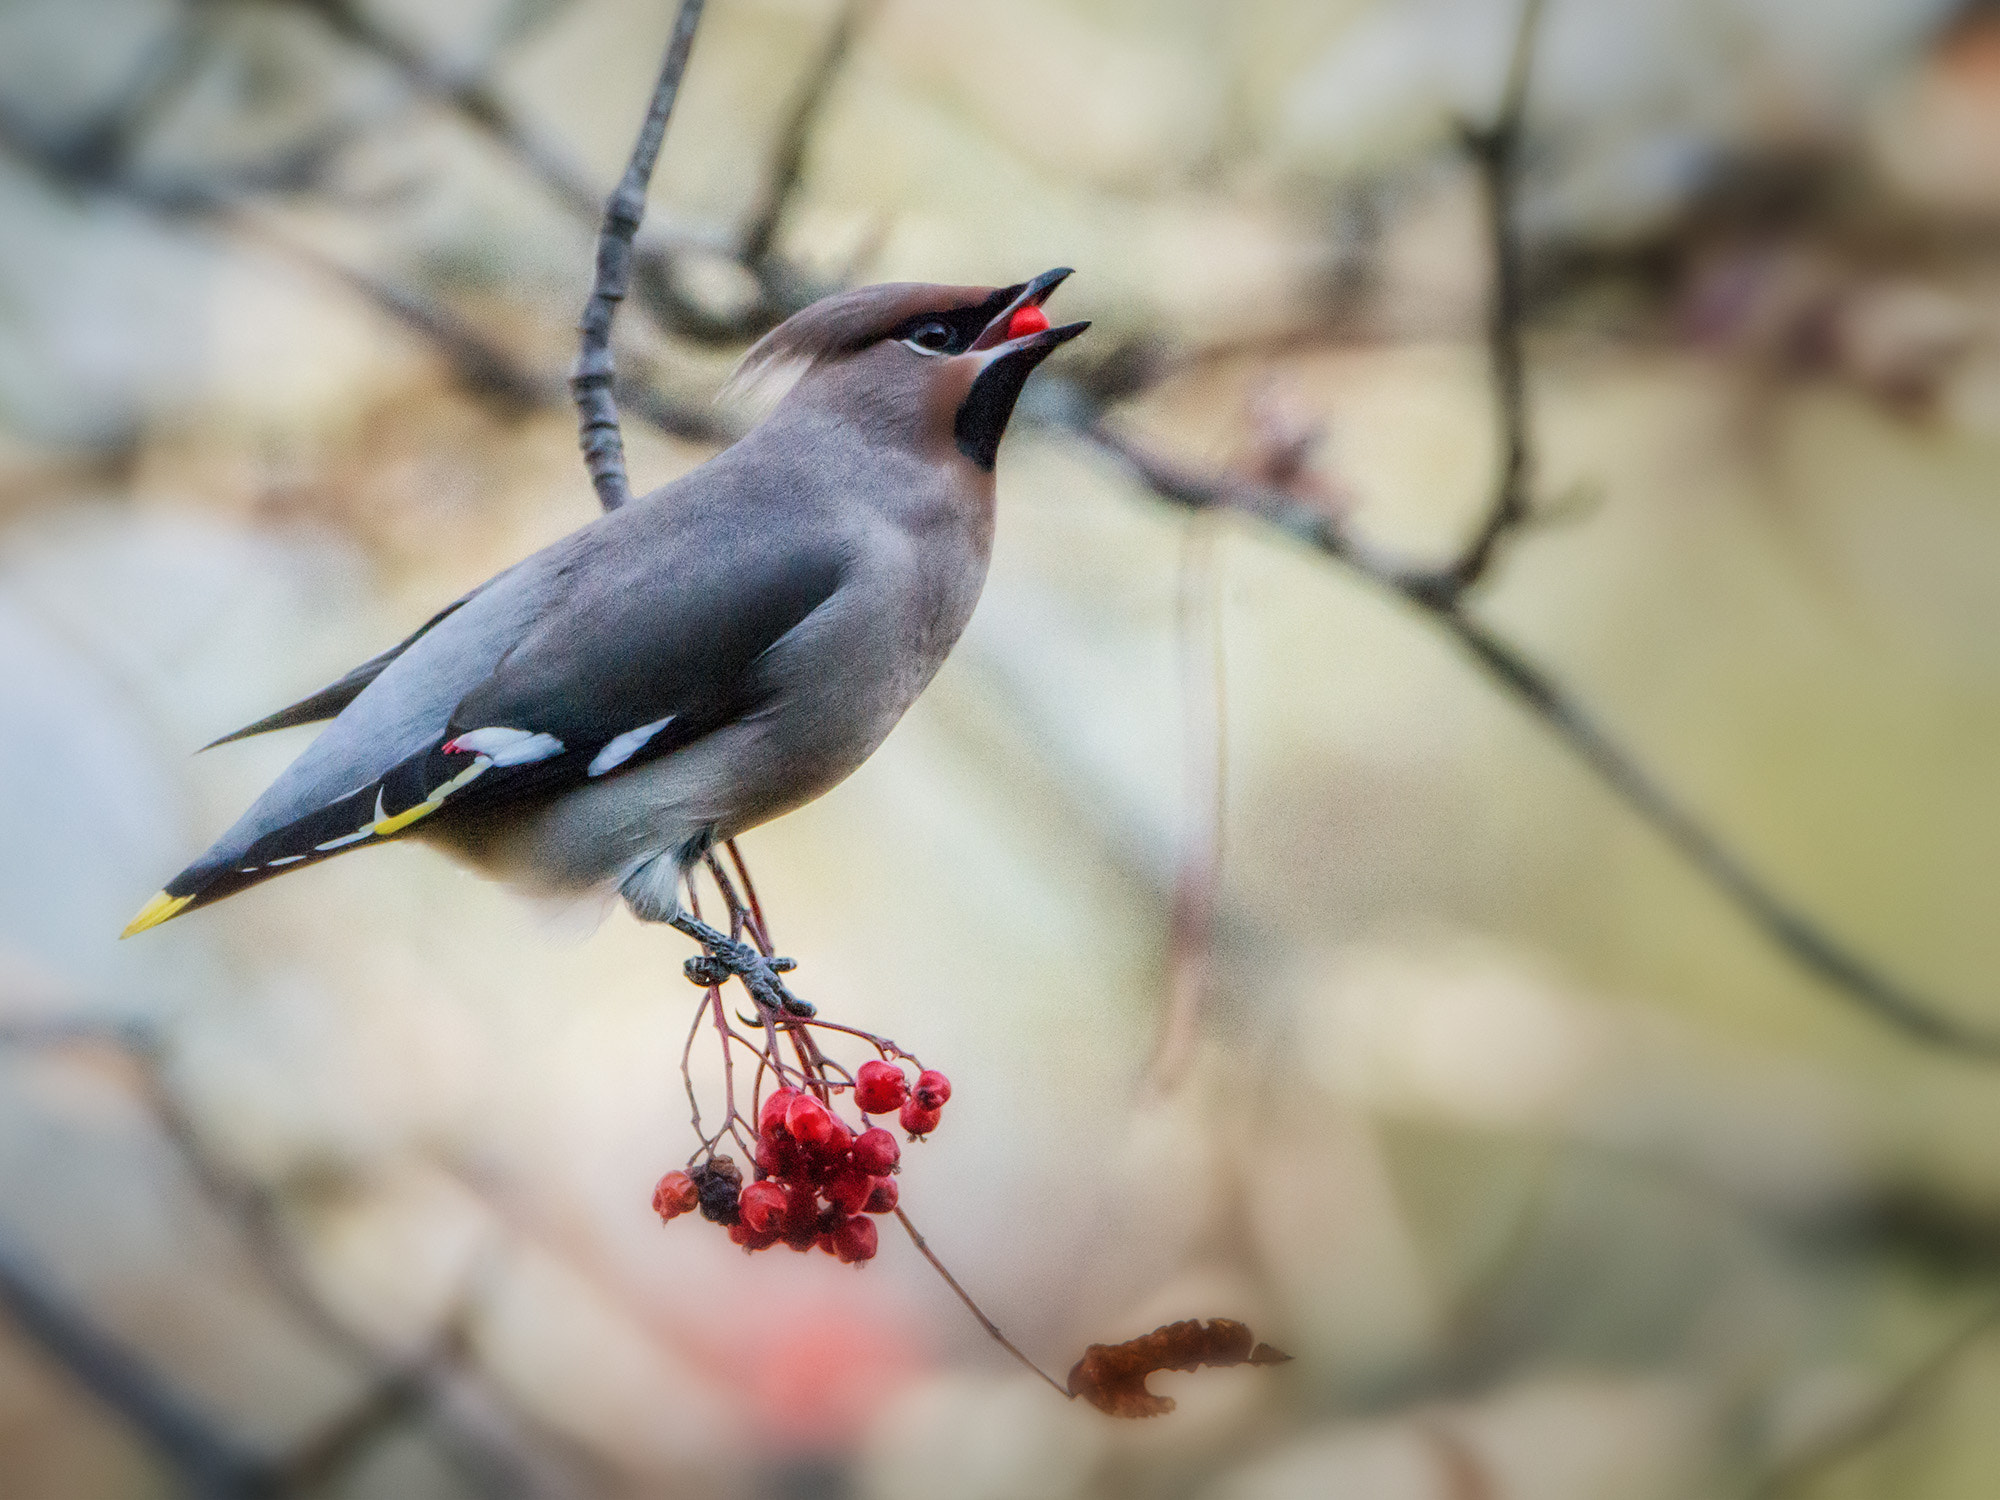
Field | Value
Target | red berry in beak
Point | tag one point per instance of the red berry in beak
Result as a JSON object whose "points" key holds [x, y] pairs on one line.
{"points": [[1026, 320]]}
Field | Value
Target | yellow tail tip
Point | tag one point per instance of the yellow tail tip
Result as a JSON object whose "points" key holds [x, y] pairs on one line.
{"points": [[161, 908]]}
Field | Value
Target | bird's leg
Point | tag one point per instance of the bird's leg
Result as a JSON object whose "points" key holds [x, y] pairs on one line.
{"points": [[724, 953]]}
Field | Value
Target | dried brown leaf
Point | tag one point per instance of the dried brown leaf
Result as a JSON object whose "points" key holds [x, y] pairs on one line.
{"points": [[1112, 1377]]}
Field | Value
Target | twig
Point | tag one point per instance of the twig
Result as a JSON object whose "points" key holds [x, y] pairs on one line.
{"points": [[1496, 149], [591, 378], [395, 1397], [1535, 689], [487, 1451], [1441, 592], [1796, 934], [208, 1463], [469, 97], [992, 1328], [476, 363], [1881, 1417]]}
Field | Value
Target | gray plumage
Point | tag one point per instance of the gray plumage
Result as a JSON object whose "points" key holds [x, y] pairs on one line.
{"points": [[692, 664]]}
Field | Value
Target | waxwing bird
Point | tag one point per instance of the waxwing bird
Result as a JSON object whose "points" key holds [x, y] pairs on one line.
{"points": [[695, 663]]}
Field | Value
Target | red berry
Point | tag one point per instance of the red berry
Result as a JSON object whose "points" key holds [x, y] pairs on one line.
{"points": [[918, 1120], [876, 1152], [776, 1155], [772, 1116], [762, 1207], [855, 1240], [675, 1196], [808, 1122], [879, 1088], [882, 1195], [932, 1089], [848, 1190], [837, 1144], [1026, 320], [742, 1234], [801, 1212]]}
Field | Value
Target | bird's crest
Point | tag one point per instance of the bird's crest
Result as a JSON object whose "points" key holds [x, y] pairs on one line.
{"points": [[852, 320]]}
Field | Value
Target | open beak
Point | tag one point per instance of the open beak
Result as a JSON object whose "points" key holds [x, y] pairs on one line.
{"points": [[994, 341]]}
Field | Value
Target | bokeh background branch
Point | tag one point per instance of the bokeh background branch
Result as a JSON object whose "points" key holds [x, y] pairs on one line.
{"points": [[1558, 1175]]}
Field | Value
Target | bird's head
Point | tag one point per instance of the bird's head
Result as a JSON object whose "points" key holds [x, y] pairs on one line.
{"points": [[936, 367]]}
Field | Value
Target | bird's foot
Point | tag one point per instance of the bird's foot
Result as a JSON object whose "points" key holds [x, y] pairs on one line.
{"points": [[723, 958]]}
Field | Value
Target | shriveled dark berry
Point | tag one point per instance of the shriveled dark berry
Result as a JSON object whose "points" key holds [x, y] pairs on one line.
{"points": [[720, 1184]]}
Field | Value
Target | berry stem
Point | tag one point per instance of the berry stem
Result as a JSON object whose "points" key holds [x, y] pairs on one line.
{"points": [[750, 895], [992, 1328]]}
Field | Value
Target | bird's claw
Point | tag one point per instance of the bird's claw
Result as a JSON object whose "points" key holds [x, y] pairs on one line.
{"points": [[705, 971], [723, 957]]}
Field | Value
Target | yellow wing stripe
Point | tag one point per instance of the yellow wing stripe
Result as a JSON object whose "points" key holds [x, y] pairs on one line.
{"points": [[383, 827]]}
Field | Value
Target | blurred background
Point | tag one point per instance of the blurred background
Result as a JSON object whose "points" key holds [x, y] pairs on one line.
{"points": [[1285, 968]]}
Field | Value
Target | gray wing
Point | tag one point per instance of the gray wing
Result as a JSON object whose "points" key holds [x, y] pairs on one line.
{"points": [[620, 644]]}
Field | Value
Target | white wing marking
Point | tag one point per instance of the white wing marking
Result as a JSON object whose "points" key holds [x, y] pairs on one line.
{"points": [[627, 745], [506, 747]]}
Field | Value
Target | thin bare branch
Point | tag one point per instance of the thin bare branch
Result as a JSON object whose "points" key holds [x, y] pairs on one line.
{"points": [[477, 1438], [470, 97], [1440, 591], [477, 364], [992, 1328], [1797, 935], [591, 379], [1496, 151], [206, 1461]]}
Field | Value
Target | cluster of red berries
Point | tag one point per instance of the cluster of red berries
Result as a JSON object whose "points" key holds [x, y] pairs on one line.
{"points": [[817, 1181]]}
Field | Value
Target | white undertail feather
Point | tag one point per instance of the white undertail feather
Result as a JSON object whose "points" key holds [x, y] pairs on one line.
{"points": [[653, 890]]}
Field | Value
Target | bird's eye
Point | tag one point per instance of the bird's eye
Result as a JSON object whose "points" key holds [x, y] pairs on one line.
{"points": [[932, 338]]}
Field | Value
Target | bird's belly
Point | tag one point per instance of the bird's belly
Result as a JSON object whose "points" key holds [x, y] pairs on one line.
{"points": [[589, 838]]}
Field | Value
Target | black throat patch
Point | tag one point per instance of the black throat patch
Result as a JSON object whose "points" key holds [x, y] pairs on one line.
{"points": [[982, 418]]}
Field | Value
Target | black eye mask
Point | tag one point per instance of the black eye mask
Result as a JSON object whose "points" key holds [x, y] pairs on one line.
{"points": [[965, 323]]}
